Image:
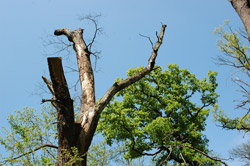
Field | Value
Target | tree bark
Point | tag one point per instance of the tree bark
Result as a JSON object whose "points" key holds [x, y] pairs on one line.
{"points": [[80, 134], [242, 7], [65, 111]]}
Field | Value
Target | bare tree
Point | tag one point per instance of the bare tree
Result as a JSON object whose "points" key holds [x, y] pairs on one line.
{"points": [[242, 7], [80, 134], [242, 152]]}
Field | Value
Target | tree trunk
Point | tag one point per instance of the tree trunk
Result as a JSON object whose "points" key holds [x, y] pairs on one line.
{"points": [[80, 134], [242, 7], [65, 111]]}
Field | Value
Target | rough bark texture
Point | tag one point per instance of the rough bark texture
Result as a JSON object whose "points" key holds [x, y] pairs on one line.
{"points": [[242, 7], [64, 106], [80, 134]]}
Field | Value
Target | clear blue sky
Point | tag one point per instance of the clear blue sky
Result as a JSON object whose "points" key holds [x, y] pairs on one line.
{"points": [[189, 42]]}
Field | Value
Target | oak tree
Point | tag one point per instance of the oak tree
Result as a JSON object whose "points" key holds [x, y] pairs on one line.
{"points": [[163, 115]]}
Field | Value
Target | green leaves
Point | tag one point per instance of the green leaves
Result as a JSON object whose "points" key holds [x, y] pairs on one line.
{"points": [[231, 44], [165, 109], [235, 54], [30, 130]]}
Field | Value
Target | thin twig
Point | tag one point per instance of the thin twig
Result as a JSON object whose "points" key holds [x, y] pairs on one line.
{"points": [[152, 45]]}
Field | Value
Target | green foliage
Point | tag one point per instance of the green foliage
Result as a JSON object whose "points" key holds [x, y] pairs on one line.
{"points": [[237, 123], [162, 115], [30, 130], [103, 155], [99, 154], [235, 53], [231, 44], [74, 159]]}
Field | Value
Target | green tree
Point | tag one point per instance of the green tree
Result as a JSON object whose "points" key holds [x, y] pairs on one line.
{"points": [[79, 134], [163, 115], [32, 140], [74, 136], [235, 49]]}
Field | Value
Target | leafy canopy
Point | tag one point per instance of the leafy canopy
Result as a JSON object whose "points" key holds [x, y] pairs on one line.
{"points": [[30, 130], [162, 115]]}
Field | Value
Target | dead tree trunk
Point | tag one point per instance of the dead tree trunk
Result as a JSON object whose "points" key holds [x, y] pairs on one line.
{"points": [[80, 134], [65, 111], [242, 7]]}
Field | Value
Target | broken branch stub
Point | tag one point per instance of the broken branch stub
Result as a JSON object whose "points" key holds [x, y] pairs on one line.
{"points": [[64, 106]]}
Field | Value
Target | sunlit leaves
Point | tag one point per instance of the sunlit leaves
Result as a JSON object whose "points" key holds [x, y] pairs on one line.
{"points": [[235, 48], [165, 109], [231, 44], [29, 130]]}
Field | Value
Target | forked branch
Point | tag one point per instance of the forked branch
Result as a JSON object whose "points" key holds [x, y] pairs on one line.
{"points": [[116, 87]]}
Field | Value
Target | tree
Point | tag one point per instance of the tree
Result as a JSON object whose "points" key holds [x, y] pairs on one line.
{"points": [[242, 152], [235, 54], [242, 7], [32, 140], [235, 48], [157, 117], [235, 51], [74, 138]]}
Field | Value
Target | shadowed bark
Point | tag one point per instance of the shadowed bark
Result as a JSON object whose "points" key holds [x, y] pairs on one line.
{"points": [[80, 134], [242, 7], [64, 106]]}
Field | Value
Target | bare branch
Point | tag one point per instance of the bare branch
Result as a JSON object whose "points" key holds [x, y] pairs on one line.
{"points": [[49, 85], [244, 89], [31, 151], [97, 31], [72, 69], [243, 33], [59, 44], [94, 20], [148, 39], [125, 83], [48, 100]]}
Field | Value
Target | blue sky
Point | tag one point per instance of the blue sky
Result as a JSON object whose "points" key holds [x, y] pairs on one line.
{"points": [[189, 42]]}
